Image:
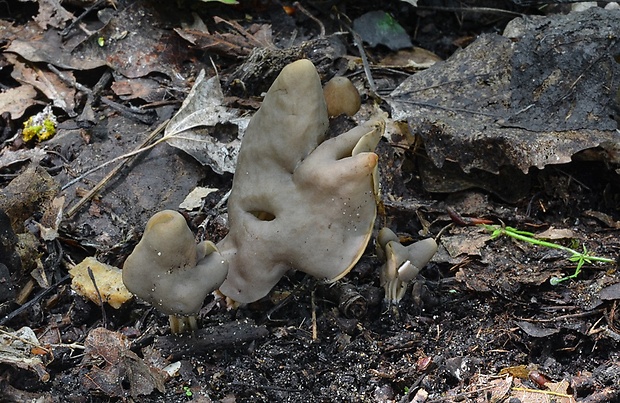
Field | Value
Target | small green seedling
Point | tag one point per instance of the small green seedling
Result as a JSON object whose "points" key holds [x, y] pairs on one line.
{"points": [[223, 1], [575, 256]]}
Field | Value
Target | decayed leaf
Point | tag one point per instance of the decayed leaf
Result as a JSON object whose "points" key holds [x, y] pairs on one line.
{"points": [[466, 243], [521, 103], [18, 349], [52, 13], [48, 83], [9, 157], [415, 59], [238, 43], [17, 100], [556, 233], [132, 43], [558, 392], [143, 88], [115, 370], [198, 127], [536, 330], [109, 282]]}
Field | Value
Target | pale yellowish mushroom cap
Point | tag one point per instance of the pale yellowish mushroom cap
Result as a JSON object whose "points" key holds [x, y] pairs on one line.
{"points": [[298, 202], [341, 97], [168, 269]]}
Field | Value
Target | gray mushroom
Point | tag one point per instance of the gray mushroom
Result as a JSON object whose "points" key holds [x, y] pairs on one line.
{"points": [[170, 271]]}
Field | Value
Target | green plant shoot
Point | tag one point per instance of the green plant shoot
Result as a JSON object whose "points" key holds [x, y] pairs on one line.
{"points": [[575, 256], [223, 1]]}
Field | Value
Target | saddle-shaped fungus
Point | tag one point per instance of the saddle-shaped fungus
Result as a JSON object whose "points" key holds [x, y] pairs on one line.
{"points": [[170, 271], [298, 201], [402, 263]]}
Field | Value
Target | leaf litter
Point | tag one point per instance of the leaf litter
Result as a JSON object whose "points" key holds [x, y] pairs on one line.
{"points": [[484, 304]]}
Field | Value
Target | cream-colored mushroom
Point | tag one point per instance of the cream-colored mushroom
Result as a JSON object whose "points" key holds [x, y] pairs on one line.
{"points": [[297, 201], [173, 273], [402, 263], [341, 97]]}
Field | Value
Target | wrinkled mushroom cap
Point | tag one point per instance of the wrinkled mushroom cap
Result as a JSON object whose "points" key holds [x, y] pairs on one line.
{"points": [[168, 269], [298, 202]]}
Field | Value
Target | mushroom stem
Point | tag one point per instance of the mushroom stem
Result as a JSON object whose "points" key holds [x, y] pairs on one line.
{"points": [[181, 324]]}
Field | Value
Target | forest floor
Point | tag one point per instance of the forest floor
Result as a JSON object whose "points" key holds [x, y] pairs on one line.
{"points": [[484, 320]]}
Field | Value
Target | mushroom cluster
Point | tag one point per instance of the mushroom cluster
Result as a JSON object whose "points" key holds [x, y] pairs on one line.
{"points": [[298, 201]]}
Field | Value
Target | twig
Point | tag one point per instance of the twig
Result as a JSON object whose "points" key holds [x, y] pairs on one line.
{"points": [[132, 113], [357, 40], [360, 47], [68, 29], [25, 341], [126, 157], [315, 332], [543, 392], [103, 315], [481, 10], [34, 300], [301, 8], [446, 108], [465, 221]]}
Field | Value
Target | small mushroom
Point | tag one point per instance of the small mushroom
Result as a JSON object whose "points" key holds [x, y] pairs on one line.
{"points": [[173, 273], [341, 97], [402, 263]]}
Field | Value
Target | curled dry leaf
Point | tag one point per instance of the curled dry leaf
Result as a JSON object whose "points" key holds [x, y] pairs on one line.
{"points": [[198, 127]]}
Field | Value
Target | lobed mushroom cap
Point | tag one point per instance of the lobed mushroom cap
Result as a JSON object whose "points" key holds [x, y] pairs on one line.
{"points": [[402, 263], [168, 269], [297, 201]]}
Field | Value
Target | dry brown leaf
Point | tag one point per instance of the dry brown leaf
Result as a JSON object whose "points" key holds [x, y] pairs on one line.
{"points": [[556, 233], [17, 100], [143, 88], [52, 14], [115, 370], [47, 82]]}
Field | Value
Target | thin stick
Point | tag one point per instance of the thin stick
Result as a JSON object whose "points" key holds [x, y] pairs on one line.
{"points": [[126, 157], [301, 8], [103, 315], [34, 300], [79, 18], [360, 47], [315, 332]]}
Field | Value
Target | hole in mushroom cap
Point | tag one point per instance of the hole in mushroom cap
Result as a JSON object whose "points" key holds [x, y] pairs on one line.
{"points": [[263, 215]]}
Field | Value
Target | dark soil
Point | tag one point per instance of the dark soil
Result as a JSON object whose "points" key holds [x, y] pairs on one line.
{"points": [[481, 325]]}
